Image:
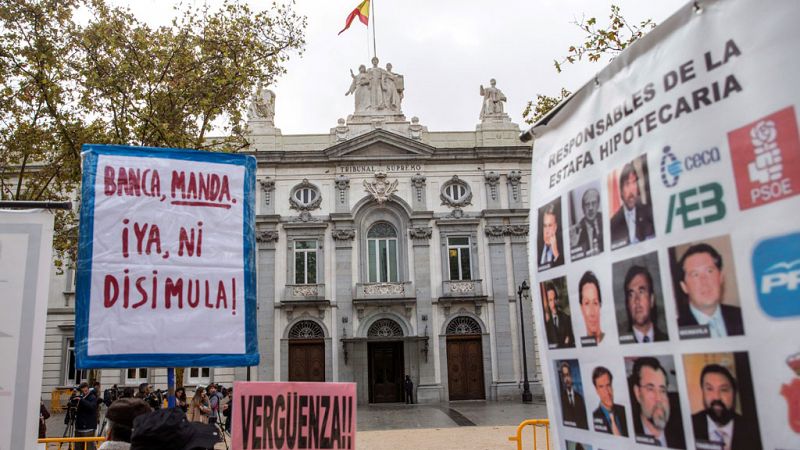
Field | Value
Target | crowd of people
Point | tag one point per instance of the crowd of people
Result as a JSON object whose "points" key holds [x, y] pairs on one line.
{"points": [[141, 419]]}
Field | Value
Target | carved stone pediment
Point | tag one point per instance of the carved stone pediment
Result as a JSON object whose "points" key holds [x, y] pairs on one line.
{"points": [[380, 145]]}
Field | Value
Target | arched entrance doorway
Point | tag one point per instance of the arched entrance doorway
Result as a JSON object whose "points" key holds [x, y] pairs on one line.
{"points": [[306, 352], [465, 360], [385, 355]]}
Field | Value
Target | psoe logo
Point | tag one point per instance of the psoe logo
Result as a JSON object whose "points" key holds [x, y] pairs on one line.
{"points": [[766, 159], [672, 167], [776, 268]]}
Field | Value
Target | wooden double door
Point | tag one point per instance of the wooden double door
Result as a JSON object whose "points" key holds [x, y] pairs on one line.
{"points": [[465, 368], [306, 360], [385, 372]]}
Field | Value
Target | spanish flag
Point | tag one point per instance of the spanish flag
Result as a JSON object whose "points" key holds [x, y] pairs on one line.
{"points": [[362, 11]]}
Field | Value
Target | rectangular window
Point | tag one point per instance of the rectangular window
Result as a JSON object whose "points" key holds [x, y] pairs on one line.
{"points": [[373, 262], [136, 375], [198, 375], [458, 254], [72, 375], [305, 262], [382, 255]]}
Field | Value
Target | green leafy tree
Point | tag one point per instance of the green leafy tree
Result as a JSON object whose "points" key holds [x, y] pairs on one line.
{"points": [[113, 79], [609, 41]]}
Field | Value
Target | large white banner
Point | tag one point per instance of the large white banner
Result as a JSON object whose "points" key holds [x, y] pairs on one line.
{"points": [[667, 256], [26, 245], [166, 273]]}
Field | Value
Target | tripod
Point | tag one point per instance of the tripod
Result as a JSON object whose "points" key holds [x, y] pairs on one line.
{"points": [[69, 420], [221, 428]]}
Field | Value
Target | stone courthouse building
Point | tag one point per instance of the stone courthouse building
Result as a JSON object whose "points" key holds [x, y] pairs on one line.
{"points": [[384, 250]]}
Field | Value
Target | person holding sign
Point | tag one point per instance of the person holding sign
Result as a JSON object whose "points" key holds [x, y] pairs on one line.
{"points": [[633, 221], [609, 417]]}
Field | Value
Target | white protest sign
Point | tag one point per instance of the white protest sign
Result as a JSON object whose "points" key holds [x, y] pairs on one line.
{"points": [[26, 245], [667, 262], [166, 273]]}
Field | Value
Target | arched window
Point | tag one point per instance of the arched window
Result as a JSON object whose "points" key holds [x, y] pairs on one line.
{"points": [[382, 253], [385, 328], [463, 325], [306, 329]]}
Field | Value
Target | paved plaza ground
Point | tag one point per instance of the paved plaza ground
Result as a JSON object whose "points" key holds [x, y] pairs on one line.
{"points": [[478, 425]]}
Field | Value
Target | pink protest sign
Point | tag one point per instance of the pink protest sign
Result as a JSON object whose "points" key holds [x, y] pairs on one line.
{"points": [[294, 416]]}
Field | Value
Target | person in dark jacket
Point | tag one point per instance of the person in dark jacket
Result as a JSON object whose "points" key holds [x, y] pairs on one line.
{"points": [[86, 416], [44, 414], [408, 387]]}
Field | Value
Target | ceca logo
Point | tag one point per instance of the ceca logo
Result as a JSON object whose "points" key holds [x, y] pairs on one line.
{"points": [[776, 269], [672, 167]]}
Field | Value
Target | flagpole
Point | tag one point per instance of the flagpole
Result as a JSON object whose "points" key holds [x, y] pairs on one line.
{"points": [[372, 13]]}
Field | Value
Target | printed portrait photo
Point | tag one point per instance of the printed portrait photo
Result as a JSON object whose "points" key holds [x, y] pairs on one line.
{"points": [[550, 242], [557, 316], [706, 294], [578, 446], [722, 401], [585, 221], [609, 416], [590, 301], [570, 388], [638, 300], [631, 204], [655, 403]]}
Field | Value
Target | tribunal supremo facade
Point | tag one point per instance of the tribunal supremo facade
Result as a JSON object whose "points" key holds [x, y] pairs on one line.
{"points": [[384, 250]]}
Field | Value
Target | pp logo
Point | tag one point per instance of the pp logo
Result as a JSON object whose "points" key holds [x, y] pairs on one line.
{"points": [[776, 268], [766, 159]]}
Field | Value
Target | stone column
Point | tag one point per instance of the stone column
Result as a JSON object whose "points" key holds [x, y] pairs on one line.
{"points": [[427, 389], [519, 256], [418, 196], [268, 195], [343, 236], [492, 183], [515, 189], [342, 199], [495, 234], [266, 238]]}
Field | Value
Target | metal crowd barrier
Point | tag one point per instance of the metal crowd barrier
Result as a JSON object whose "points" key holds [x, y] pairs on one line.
{"points": [[535, 424], [68, 443]]}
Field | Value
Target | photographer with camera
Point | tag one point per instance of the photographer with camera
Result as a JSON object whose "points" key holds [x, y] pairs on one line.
{"points": [[85, 402], [151, 398]]}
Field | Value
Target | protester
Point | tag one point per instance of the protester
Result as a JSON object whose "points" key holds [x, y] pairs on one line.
{"points": [[180, 399], [227, 408], [86, 416], [408, 387], [198, 408], [120, 416], [214, 399], [44, 414], [168, 429]]}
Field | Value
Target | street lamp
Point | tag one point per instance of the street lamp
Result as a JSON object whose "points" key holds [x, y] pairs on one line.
{"points": [[523, 292]]}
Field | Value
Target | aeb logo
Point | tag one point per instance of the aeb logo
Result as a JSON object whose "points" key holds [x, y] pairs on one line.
{"points": [[776, 268], [672, 167]]}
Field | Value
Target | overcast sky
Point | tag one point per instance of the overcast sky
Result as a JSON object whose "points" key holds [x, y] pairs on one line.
{"points": [[444, 48]]}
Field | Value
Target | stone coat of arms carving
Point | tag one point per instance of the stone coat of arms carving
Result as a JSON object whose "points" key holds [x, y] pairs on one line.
{"points": [[380, 188]]}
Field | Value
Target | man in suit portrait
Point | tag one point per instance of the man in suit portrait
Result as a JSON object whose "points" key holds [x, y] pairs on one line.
{"points": [[559, 327], [633, 221], [572, 405], [590, 227], [653, 421], [608, 417], [702, 280], [550, 254], [591, 303], [640, 302], [719, 423]]}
